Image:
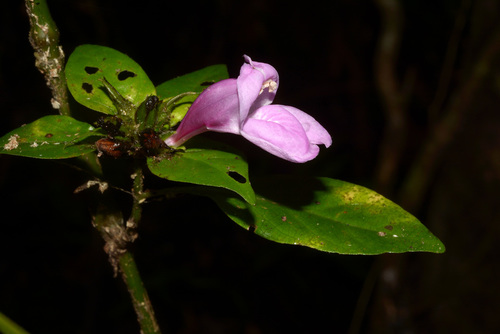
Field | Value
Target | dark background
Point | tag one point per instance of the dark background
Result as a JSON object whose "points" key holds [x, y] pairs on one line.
{"points": [[417, 121]]}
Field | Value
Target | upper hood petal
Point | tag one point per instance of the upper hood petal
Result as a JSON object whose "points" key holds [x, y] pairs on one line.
{"points": [[257, 86]]}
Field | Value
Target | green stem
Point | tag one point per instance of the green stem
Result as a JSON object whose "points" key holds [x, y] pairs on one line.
{"points": [[110, 223], [130, 274], [44, 38], [8, 326], [140, 299], [138, 196]]}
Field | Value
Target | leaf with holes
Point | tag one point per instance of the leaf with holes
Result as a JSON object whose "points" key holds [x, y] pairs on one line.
{"points": [[89, 64], [328, 215], [51, 137], [207, 164]]}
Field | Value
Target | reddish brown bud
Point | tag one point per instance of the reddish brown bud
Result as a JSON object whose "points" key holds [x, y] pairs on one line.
{"points": [[111, 147]]}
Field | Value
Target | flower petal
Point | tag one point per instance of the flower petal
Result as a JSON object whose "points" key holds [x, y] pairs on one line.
{"points": [[257, 86], [316, 133], [279, 132], [216, 109]]}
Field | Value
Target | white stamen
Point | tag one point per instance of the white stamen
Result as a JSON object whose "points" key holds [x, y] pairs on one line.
{"points": [[270, 85]]}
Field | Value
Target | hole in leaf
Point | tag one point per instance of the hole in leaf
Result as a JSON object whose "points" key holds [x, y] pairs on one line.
{"points": [[252, 228], [237, 177], [87, 87], [123, 75], [91, 70]]}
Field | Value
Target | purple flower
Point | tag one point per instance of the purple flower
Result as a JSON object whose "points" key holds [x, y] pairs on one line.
{"points": [[243, 106]]}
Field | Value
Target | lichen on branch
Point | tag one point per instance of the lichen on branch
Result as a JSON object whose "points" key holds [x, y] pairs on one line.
{"points": [[49, 55]]}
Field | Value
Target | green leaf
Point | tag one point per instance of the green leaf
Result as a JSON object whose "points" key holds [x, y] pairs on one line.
{"points": [[207, 164], [7, 326], [329, 215], [50, 137], [89, 64], [192, 82]]}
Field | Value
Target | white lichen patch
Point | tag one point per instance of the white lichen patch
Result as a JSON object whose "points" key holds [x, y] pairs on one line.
{"points": [[54, 73], [12, 144], [55, 104], [103, 186]]}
